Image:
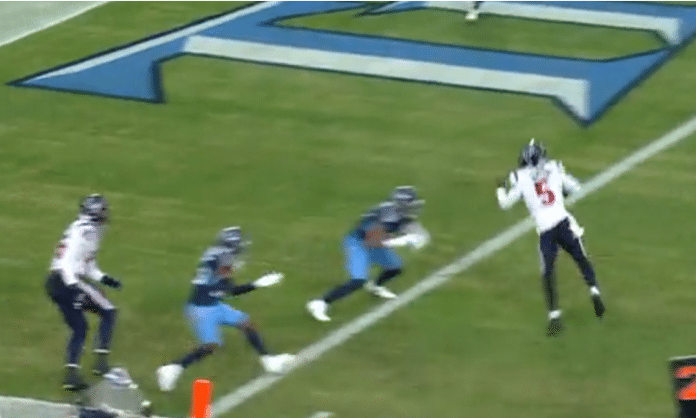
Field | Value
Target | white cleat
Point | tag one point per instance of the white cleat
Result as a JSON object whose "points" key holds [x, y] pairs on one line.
{"points": [[472, 15], [167, 376], [278, 363], [317, 308], [379, 291]]}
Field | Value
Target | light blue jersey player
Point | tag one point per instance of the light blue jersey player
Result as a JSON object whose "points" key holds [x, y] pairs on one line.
{"points": [[392, 223], [207, 314]]}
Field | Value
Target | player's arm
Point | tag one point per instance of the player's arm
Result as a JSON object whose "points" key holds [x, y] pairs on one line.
{"points": [[92, 270], [571, 185], [507, 198]]}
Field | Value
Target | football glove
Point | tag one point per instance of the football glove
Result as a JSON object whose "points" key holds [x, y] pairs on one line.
{"points": [[419, 241], [111, 282], [414, 240], [269, 279]]}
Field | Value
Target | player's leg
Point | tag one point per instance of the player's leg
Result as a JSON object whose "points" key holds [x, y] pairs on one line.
{"points": [[204, 322], [273, 363], [391, 264], [96, 302], [570, 240], [71, 309], [357, 265], [548, 250], [472, 9]]}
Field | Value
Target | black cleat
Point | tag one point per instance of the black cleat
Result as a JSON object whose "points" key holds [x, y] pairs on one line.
{"points": [[73, 381], [555, 327], [101, 365], [599, 308]]}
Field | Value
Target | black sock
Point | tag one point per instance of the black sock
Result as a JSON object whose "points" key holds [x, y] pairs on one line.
{"points": [[255, 340], [194, 356], [343, 290], [387, 275]]}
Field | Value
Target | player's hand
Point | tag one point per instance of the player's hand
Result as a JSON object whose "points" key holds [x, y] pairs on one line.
{"points": [[501, 182], [269, 279], [418, 241], [111, 282]]}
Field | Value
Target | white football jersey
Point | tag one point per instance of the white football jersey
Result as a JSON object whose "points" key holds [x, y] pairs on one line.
{"points": [[75, 253], [542, 188]]}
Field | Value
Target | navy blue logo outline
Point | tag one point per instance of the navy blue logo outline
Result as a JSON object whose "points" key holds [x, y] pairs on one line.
{"points": [[666, 53]]}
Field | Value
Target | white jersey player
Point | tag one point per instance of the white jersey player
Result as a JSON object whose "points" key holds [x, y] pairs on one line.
{"points": [[543, 184], [73, 262]]}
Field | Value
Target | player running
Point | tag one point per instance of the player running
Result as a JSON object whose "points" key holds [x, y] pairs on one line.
{"points": [[73, 261], [206, 313], [543, 184], [390, 224]]}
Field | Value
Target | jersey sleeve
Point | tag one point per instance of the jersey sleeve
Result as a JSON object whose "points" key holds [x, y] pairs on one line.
{"points": [[507, 198], [570, 183]]}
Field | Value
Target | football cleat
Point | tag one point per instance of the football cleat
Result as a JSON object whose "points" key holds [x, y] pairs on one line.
{"points": [[379, 291], [73, 381], [317, 308], [555, 327], [167, 376], [598, 305], [278, 363]]}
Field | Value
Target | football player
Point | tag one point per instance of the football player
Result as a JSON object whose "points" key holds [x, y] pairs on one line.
{"points": [[206, 313], [391, 224], [74, 260], [543, 184]]}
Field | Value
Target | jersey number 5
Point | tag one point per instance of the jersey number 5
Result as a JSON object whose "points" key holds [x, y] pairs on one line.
{"points": [[545, 194]]}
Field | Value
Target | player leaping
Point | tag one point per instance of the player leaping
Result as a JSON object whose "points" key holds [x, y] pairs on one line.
{"points": [[206, 313], [543, 184], [74, 260], [391, 224]]}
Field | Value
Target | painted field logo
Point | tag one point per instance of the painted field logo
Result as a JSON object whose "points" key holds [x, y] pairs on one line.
{"points": [[585, 88]]}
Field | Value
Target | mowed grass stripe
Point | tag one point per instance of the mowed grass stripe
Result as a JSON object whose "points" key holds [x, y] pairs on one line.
{"points": [[337, 337]]}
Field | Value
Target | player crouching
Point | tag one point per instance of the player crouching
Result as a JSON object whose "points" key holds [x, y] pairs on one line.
{"points": [[74, 260], [206, 313]]}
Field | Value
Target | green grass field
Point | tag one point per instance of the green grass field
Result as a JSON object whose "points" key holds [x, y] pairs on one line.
{"points": [[294, 157]]}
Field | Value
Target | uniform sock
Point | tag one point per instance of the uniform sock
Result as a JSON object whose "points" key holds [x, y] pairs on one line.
{"points": [[255, 340], [343, 290], [387, 275], [198, 354]]}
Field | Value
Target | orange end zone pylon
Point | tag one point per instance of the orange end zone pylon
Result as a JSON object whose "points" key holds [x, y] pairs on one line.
{"points": [[201, 398]]}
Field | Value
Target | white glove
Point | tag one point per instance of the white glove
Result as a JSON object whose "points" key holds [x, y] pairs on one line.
{"points": [[400, 241], [269, 279], [416, 241], [419, 241]]}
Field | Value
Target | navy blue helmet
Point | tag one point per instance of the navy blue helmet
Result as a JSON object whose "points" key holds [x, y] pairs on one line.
{"points": [[95, 207], [407, 201], [232, 238], [532, 154]]}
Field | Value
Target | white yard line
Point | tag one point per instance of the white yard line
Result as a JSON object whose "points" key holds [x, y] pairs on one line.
{"points": [[21, 19], [339, 336]]}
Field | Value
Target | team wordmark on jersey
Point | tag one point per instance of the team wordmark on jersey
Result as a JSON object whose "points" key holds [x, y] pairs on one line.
{"points": [[585, 88]]}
